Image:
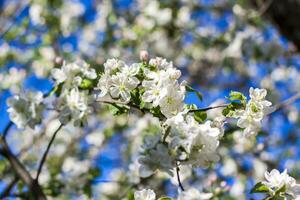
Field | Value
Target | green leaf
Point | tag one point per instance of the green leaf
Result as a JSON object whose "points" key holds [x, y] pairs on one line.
{"points": [[130, 195], [231, 108], [135, 96], [200, 116], [86, 84], [190, 89], [117, 109], [237, 96], [260, 188]]}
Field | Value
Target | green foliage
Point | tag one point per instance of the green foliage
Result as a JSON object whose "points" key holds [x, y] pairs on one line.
{"points": [[238, 96], [238, 101], [260, 188], [116, 109], [190, 89], [86, 84], [130, 195], [200, 116]]}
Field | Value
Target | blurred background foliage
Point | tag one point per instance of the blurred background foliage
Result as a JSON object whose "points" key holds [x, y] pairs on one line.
{"points": [[220, 45]]}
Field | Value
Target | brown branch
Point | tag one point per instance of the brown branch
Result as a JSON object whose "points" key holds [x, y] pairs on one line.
{"points": [[20, 170], [6, 130], [9, 187], [46, 153]]}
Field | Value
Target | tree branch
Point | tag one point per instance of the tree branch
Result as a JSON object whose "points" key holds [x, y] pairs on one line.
{"points": [[46, 152], [287, 102], [6, 129], [9, 187], [20, 170], [209, 108]]}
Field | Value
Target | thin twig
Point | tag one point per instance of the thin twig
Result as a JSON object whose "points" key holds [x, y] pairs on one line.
{"points": [[178, 178], [286, 102], [209, 108], [46, 152]]}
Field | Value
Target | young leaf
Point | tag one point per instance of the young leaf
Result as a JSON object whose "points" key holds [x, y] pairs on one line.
{"points": [[260, 188], [190, 89], [237, 96], [117, 109], [200, 116]]}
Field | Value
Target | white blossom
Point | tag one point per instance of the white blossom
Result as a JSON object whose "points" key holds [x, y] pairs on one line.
{"points": [[154, 159], [257, 107], [74, 106], [122, 85], [145, 194], [72, 73], [111, 65], [26, 109], [276, 180]]}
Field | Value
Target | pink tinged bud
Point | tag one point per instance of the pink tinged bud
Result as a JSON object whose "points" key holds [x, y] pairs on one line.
{"points": [[144, 56], [59, 60]]}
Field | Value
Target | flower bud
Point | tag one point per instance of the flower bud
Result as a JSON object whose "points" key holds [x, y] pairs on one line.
{"points": [[144, 56], [175, 74], [58, 61]]}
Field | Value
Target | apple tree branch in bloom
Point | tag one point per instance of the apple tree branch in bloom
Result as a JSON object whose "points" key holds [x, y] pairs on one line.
{"points": [[185, 137]]}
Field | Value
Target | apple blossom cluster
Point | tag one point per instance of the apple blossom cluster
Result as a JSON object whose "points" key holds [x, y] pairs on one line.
{"points": [[118, 80], [73, 104], [185, 136], [162, 87], [26, 109], [252, 113], [278, 186]]}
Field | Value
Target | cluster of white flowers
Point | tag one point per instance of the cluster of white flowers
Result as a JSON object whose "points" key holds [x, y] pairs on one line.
{"points": [[257, 107], [194, 143], [181, 138], [26, 109], [118, 80], [156, 156], [72, 74], [276, 181], [186, 141], [162, 88], [73, 103]]}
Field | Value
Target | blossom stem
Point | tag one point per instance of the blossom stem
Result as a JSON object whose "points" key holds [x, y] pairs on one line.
{"points": [[209, 108], [178, 178], [46, 153]]}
